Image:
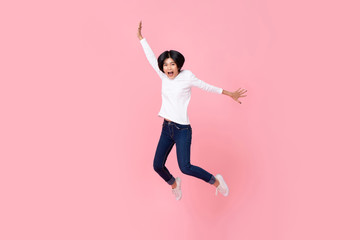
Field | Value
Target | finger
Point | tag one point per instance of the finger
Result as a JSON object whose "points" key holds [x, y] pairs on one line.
{"points": [[243, 91], [243, 96]]}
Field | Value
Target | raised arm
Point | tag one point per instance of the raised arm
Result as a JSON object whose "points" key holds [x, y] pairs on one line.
{"points": [[148, 51]]}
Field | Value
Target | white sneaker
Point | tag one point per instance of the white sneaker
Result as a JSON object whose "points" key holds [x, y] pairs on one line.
{"points": [[222, 188], [177, 191]]}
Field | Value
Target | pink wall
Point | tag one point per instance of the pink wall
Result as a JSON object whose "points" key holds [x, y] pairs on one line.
{"points": [[79, 124]]}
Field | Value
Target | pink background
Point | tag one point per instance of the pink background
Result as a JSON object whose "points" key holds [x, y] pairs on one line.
{"points": [[79, 124]]}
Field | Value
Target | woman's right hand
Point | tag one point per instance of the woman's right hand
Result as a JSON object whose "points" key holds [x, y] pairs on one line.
{"points": [[139, 31]]}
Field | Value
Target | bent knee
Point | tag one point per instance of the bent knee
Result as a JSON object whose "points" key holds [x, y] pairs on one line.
{"points": [[185, 169], [158, 168]]}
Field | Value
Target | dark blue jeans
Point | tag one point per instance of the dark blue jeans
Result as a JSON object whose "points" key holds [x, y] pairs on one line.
{"points": [[181, 135]]}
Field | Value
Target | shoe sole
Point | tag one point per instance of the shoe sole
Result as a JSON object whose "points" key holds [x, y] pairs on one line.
{"points": [[221, 179], [179, 183]]}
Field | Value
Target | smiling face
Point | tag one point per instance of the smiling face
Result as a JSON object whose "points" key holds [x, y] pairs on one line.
{"points": [[170, 68]]}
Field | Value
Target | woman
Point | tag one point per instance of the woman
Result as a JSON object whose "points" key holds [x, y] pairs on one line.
{"points": [[176, 129]]}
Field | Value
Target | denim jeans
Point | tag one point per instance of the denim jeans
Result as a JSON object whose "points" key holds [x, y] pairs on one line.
{"points": [[181, 135]]}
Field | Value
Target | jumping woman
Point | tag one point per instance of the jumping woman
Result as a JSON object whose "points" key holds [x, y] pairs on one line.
{"points": [[176, 129]]}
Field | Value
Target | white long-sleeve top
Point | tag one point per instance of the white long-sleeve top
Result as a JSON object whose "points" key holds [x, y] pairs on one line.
{"points": [[176, 93]]}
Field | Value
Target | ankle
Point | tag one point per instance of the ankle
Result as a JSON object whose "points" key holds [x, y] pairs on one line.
{"points": [[216, 183]]}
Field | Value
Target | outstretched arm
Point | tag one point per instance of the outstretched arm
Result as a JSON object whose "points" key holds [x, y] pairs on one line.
{"points": [[210, 88]]}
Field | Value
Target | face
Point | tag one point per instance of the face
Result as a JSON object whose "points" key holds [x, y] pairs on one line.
{"points": [[170, 68]]}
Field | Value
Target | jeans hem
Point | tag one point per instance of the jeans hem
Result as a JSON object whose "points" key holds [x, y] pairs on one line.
{"points": [[212, 179], [171, 181]]}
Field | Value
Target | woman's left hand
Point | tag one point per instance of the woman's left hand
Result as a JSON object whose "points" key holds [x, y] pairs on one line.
{"points": [[237, 94]]}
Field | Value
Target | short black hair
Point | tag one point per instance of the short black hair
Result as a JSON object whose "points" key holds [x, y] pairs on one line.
{"points": [[175, 55]]}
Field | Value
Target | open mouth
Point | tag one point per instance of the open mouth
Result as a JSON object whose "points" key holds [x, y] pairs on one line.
{"points": [[171, 74]]}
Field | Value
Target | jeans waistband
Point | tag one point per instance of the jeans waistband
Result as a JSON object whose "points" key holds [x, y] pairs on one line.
{"points": [[171, 122]]}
